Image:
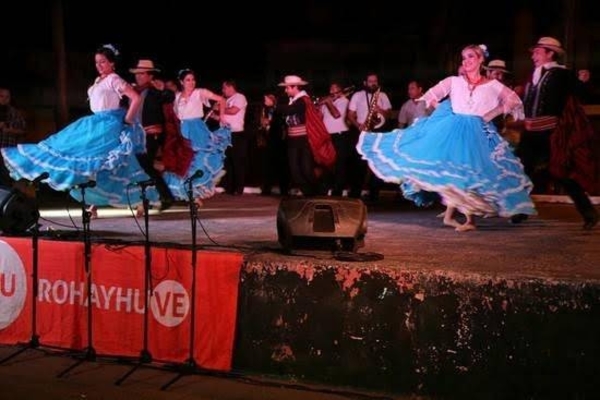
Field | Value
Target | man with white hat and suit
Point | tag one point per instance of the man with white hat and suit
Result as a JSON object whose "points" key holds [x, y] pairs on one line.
{"points": [[152, 119], [552, 147], [310, 148]]}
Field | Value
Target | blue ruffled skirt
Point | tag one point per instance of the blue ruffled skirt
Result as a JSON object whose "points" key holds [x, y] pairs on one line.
{"points": [[98, 147], [209, 155], [460, 157]]}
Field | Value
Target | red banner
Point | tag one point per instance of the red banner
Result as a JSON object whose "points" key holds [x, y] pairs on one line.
{"points": [[118, 301]]}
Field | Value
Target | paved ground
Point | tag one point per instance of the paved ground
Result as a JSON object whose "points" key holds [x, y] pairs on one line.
{"points": [[32, 375]]}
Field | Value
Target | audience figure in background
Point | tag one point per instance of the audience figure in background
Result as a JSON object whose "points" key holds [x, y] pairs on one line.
{"points": [[152, 118], [272, 142], [12, 130], [334, 108], [412, 109], [587, 91], [100, 147], [456, 152], [310, 150], [367, 111], [558, 140], [496, 69], [209, 146], [236, 157]]}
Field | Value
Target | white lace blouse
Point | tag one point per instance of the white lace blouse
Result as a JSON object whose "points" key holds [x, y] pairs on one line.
{"points": [[479, 101], [105, 93]]}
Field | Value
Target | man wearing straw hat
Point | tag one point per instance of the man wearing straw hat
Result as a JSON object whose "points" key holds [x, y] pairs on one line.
{"points": [[310, 149], [152, 118], [496, 69], [556, 141]]}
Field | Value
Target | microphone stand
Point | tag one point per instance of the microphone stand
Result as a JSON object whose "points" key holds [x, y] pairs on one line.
{"points": [[34, 341], [145, 356], [190, 366], [89, 353]]}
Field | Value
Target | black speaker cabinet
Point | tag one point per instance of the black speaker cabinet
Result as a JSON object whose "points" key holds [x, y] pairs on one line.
{"points": [[18, 213], [336, 223]]}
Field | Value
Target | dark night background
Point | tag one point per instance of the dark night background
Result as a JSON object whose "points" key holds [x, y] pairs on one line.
{"points": [[257, 43]]}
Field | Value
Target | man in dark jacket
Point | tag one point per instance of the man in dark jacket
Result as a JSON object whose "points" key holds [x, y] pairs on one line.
{"points": [[551, 128], [152, 118]]}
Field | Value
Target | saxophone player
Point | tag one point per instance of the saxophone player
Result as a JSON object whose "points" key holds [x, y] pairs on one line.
{"points": [[374, 103]]}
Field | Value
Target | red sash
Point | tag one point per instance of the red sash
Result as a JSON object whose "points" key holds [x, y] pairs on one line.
{"points": [[574, 148], [177, 151], [318, 138]]}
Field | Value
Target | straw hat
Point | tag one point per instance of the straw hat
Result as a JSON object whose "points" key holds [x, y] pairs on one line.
{"points": [[293, 80], [549, 43], [497, 65], [144, 66]]}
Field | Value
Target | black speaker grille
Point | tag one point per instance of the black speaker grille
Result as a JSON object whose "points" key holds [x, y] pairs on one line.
{"points": [[324, 219]]}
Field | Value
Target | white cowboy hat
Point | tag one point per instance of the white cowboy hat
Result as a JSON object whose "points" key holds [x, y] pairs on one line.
{"points": [[549, 43], [497, 65], [293, 80], [144, 66]]}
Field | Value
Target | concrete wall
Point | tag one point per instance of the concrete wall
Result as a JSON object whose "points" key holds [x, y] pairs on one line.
{"points": [[410, 332]]}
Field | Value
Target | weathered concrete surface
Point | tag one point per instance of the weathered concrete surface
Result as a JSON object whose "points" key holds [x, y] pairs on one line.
{"points": [[504, 312], [421, 332]]}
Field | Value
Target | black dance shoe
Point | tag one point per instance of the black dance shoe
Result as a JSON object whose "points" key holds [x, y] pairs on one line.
{"points": [[518, 218], [590, 222]]}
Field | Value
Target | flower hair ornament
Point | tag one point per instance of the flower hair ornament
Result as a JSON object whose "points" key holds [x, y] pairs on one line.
{"points": [[111, 48], [484, 50], [183, 72]]}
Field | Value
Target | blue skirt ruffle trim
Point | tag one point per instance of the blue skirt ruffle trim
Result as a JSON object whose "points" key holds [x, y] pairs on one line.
{"points": [[98, 147], [460, 157], [209, 155]]}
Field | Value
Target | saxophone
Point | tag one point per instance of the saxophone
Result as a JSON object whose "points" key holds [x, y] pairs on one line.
{"points": [[374, 119]]}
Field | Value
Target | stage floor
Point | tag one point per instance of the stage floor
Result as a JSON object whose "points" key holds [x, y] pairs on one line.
{"points": [[551, 245]]}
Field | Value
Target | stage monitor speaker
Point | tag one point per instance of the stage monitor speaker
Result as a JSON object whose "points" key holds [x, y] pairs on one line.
{"points": [[18, 213], [335, 223]]}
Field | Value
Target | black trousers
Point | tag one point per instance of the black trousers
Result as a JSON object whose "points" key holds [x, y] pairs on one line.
{"points": [[342, 142], [236, 163], [359, 172], [534, 152], [580, 198], [146, 160], [302, 165], [275, 165], [5, 179]]}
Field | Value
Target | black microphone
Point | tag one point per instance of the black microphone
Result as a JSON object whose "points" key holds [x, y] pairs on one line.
{"points": [[147, 182], [85, 185], [198, 174], [40, 177]]}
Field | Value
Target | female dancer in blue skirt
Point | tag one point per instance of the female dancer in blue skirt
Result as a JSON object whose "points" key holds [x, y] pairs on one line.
{"points": [[208, 146], [100, 147], [457, 152]]}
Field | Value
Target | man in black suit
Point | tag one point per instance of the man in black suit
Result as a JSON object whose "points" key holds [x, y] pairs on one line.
{"points": [[549, 93]]}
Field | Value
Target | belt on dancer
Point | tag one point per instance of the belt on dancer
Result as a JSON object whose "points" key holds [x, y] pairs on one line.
{"points": [[153, 130], [338, 133], [298, 130]]}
